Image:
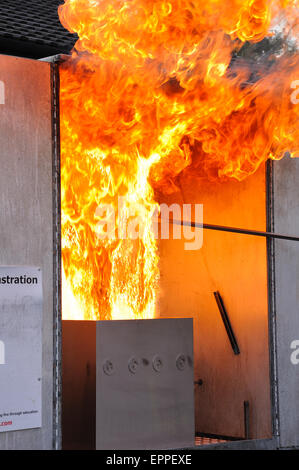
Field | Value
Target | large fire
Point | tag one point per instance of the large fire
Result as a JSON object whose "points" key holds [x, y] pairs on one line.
{"points": [[155, 88]]}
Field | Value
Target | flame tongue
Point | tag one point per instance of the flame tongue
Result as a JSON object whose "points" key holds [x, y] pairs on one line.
{"points": [[154, 89]]}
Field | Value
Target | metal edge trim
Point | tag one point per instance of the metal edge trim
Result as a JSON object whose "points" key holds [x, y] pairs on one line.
{"points": [[272, 298], [57, 324]]}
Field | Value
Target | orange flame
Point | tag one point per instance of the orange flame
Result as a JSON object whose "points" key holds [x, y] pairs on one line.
{"points": [[155, 88]]}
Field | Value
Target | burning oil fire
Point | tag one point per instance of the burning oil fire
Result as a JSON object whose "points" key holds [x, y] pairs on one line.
{"points": [[155, 88]]}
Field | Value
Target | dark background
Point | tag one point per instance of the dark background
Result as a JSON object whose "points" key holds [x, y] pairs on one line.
{"points": [[31, 28]]}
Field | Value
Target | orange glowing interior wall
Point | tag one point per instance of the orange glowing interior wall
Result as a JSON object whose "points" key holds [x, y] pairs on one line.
{"points": [[236, 266]]}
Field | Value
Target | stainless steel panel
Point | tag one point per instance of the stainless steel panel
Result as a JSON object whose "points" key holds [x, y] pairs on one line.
{"points": [[26, 215], [286, 291], [145, 384]]}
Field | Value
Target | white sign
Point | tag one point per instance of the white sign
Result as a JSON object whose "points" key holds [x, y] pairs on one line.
{"points": [[21, 308]]}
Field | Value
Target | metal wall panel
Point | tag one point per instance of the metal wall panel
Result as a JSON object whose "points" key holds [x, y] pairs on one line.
{"points": [[286, 291], [145, 384], [26, 209]]}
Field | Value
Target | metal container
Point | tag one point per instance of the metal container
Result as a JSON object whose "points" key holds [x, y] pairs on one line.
{"points": [[128, 384]]}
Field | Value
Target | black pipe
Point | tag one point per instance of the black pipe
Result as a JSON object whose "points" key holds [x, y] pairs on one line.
{"points": [[227, 324], [221, 228], [246, 419]]}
